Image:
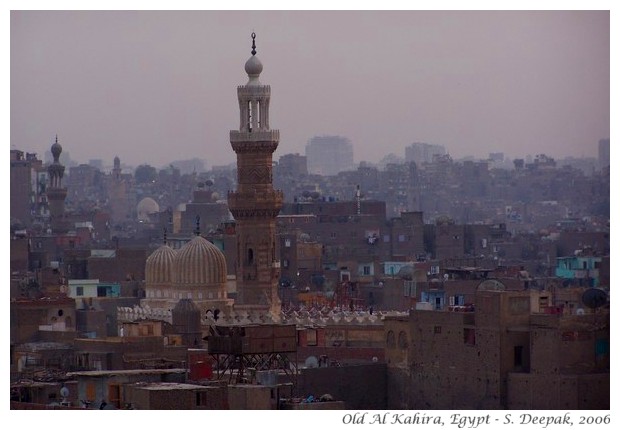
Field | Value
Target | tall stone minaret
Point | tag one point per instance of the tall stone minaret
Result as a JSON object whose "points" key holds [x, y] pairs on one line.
{"points": [[56, 193], [255, 204]]}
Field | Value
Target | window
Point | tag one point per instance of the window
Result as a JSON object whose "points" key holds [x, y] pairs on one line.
{"points": [[409, 289], [390, 340], [79, 291], [201, 398], [366, 270], [402, 340], [333, 235], [90, 391], [469, 336], [287, 243], [386, 238], [311, 337], [401, 237], [437, 329], [101, 292], [518, 356]]}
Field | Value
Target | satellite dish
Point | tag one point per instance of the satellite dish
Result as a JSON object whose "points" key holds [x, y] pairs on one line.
{"points": [[64, 392], [594, 298], [312, 362]]}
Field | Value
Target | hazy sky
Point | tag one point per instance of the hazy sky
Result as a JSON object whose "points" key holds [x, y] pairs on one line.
{"points": [[161, 86]]}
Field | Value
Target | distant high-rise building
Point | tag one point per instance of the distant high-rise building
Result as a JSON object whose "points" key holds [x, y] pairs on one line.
{"points": [[497, 157], [23, 177], [329, 155], [603, 153], [293, 165], [419, 152]]}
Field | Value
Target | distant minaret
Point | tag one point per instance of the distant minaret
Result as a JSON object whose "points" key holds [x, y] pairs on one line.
{"points": [[116, 171], [255, 204], [56, 193], [120, 208]]}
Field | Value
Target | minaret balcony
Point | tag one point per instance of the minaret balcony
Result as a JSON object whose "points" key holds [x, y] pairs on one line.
{"points": [[255, 136]]}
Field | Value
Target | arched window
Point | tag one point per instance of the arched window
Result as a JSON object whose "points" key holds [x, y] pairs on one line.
{"points": [[250, 256], [391, 339], [402, 340]]}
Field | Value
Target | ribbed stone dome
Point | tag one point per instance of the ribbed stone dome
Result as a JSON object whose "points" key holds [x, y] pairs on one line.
{"points": [[199, 263], [160, 266]]}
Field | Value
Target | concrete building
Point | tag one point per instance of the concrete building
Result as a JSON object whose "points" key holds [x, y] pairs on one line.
{"points": [[419, 152], [23, 186], [603, 154], [508, 353], [329, 155]]}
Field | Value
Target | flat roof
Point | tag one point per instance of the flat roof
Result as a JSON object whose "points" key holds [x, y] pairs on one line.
{"points": [[168, 386], [126, 372]]}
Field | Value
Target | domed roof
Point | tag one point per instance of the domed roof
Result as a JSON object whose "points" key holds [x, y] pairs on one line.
{"points": [[146, 207], [160, 265], [56, 150], [253, 67], [199, 262], [185, 305]]}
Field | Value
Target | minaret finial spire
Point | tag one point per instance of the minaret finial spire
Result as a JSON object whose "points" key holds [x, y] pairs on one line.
{"points": [[56, 137], [165, 236], [197, 231], [253, 43]]}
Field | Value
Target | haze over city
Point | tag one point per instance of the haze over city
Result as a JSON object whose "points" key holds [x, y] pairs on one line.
{"points": [[158, 86]]}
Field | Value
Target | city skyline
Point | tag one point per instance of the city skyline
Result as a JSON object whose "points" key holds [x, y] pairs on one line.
{"points": [[157, 86]]}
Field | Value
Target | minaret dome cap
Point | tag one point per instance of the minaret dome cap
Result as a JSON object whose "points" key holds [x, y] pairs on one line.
{"points": [[56, 150], [253, 67]]}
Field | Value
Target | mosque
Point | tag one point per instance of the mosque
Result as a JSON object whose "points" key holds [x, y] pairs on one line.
{"points": [[198, 270]]}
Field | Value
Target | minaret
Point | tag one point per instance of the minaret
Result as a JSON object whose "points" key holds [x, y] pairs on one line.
{"points": [[56, 193], [255, 204], [116, 171], [117, 194]]}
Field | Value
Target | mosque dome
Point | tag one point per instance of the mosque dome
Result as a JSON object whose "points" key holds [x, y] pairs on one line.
{"points": [[159, 266], [146, 207], [200, 263]]}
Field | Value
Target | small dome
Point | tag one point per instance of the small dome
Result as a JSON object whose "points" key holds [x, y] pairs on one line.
{"points": [[253, 67], [56, 150], [159, 266], [200, 263], [146, 207], [185, 305]]}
